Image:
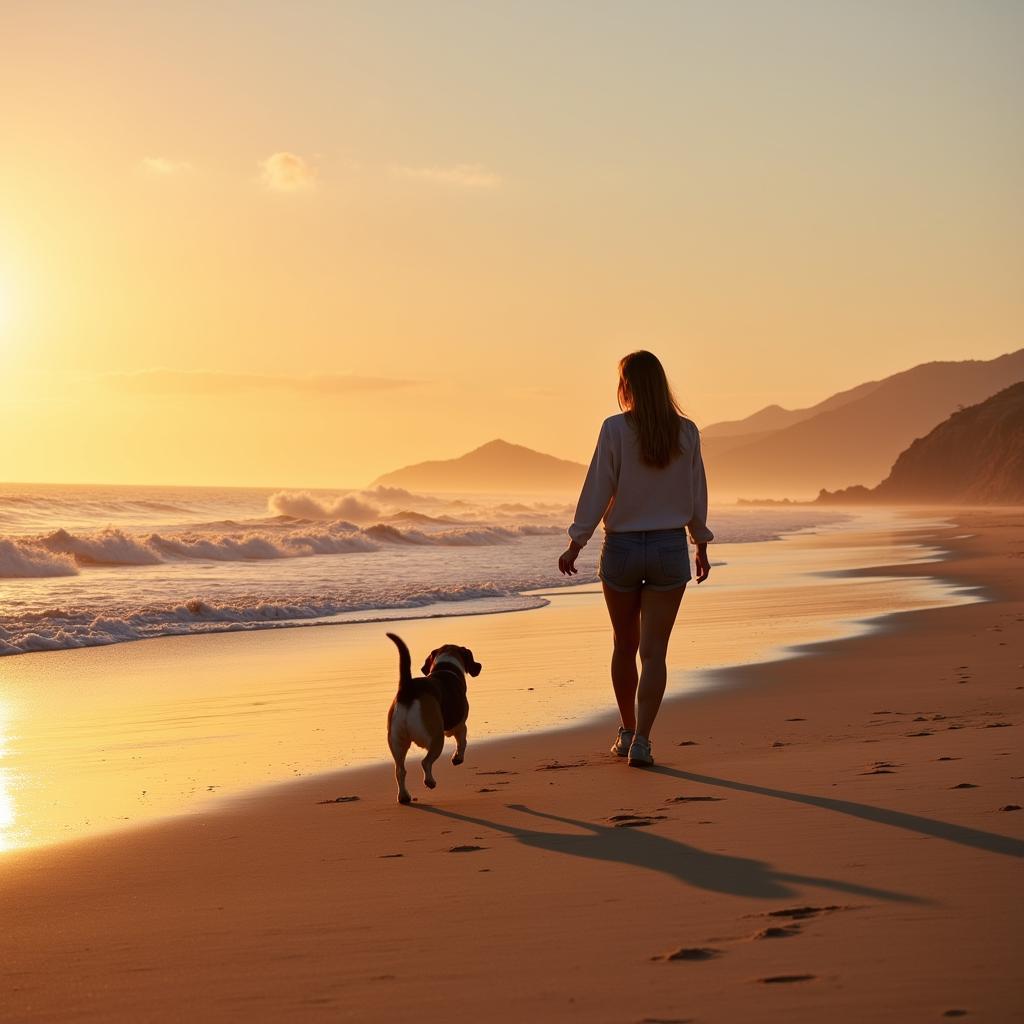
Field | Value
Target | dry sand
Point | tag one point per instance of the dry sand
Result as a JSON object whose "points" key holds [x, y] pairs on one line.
{"points": [[828, 837]]}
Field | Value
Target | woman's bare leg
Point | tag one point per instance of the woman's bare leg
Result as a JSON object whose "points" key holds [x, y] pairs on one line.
{"points": [[624, 611], [657, 617]]}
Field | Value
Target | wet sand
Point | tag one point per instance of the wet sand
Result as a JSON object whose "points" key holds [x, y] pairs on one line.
{"points": [[828, 835]]}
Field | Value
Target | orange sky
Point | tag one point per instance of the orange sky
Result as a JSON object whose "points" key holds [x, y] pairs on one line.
{"points": [[289, 244]]}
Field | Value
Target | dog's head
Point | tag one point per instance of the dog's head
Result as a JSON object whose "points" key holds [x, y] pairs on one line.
{"points": [[465, 656]]}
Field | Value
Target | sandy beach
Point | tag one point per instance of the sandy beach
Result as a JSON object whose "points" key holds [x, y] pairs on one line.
{"points": [[835, 834]]}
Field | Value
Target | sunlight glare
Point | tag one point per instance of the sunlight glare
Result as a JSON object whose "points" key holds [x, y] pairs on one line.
{"points": [[6, 794]]}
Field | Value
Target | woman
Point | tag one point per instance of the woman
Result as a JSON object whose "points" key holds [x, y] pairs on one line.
{"points": [[646, 482]]}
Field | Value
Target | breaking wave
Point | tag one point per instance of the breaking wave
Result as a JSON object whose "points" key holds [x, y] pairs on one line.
{"points": [[61, 553], [253, 545], [20, 560], [59, 629], [302, 505], [104, 547]]}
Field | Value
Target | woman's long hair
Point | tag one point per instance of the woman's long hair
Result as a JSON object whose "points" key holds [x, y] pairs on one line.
{"points": [[650, 407]]}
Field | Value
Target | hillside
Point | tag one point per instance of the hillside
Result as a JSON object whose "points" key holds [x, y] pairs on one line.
{"points": [[775, 417], [497, 467], [856, 435], [975, 457]]}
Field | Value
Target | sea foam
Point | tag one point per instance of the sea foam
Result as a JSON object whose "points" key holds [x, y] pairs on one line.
{"points": [[23, 559]]}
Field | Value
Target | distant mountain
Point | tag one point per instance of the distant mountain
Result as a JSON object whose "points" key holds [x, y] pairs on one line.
{"points": [[854, 435], [975, 457], [774, 417], [498, 467]]}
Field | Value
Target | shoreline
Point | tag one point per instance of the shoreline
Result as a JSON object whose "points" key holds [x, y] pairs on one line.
{"points": [[320, 684], [199, 593], [830, 840], [721, 678]]}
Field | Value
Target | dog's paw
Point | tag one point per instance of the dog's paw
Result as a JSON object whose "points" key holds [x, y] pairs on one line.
{"points": [[430, 783], [404, 798], [456, 759]]}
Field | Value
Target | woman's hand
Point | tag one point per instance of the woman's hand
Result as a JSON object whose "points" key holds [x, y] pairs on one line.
{"points": [[567, 559], [702, 562]]}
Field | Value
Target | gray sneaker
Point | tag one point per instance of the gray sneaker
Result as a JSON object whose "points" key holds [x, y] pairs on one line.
{"points": [[622, 742], [640, 752]]}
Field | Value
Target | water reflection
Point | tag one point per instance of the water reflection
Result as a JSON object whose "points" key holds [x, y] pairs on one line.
{"points": [[6, 786]]}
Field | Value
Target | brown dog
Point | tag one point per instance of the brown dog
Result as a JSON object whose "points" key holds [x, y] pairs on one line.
{"points": [[427, 709]]}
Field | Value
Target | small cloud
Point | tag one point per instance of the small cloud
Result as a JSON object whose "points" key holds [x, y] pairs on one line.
{"points": [[474, 176], [163, 167], [209, 382], [286, 172]]}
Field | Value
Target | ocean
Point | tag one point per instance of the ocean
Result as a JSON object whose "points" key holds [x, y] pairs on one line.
{"points": [[83, 566], [227, 699]]}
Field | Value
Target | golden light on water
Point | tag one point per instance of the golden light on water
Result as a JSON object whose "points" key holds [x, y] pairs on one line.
{"points": [[6, 787]]}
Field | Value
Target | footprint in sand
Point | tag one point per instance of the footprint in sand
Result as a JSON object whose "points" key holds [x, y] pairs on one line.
{"points": [[964, 785], [339, 800], [1010, 807], [635, 820], [486, 790], [466, 849], [690, 953], [801, 913], [694, 799], [777, 932], [785, 979], [688, 743]]}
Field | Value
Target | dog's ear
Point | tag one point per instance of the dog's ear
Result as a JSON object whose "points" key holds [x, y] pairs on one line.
{"points": [[472, 665], [429, 661]]}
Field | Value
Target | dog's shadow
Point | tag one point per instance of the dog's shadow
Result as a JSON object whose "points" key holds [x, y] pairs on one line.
{"points": [[640, 848]]}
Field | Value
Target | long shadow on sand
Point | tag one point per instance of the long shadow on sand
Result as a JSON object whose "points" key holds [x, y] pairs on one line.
{"points": [[992, 842], [716, 872]]}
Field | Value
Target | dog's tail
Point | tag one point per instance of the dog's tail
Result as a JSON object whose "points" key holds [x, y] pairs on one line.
{"points": [[404, 662]]}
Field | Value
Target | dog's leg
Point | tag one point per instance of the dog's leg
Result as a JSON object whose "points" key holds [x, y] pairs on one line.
{"points": [[399, 748], [459, 732], [433, 753]]}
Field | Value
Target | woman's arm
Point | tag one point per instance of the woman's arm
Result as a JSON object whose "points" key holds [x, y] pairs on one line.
{"points": [[598, 491], [697, 526]]}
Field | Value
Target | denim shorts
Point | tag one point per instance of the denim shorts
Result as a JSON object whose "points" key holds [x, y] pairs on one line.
{"points": [[656, 559]]}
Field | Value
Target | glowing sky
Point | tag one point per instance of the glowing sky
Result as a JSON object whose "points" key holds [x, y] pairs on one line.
{"points": [[302, 243]]}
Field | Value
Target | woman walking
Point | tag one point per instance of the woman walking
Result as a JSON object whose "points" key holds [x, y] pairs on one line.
{"points": [[646, 482]]}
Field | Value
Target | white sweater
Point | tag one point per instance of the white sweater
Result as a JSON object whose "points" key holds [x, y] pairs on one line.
{"points": [[627, 494]]}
